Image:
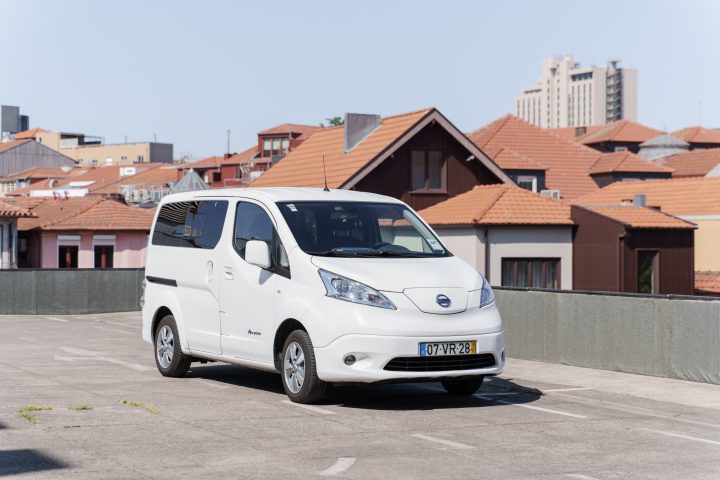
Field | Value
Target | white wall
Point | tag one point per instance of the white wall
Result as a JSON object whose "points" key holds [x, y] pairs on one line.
{"points": [[5, 232], [511, 242]]}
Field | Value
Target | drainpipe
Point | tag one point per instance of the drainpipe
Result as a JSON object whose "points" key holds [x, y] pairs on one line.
{"points": [[487, 254], [621, 262]]}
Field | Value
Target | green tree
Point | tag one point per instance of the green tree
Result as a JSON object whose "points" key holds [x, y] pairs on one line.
{"points": [[333, 122]]}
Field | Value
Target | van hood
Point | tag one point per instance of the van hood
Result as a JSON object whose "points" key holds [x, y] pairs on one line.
{"points": [[400, 274]]}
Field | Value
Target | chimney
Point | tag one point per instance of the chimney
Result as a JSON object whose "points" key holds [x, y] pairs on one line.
{"points": [[357, 128], [638, 200]]}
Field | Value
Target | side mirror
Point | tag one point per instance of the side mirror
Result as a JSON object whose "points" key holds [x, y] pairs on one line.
{"points": [[257, 253]]}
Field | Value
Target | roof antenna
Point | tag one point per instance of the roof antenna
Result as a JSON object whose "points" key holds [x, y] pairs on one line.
{"points": [[326, 189]]}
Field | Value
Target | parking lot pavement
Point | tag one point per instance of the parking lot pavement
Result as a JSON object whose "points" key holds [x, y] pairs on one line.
{"points": [[113, 416]]}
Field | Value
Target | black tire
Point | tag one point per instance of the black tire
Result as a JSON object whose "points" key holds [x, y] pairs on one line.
{"points": [[462, 385], [179, 363], [312, 389]]}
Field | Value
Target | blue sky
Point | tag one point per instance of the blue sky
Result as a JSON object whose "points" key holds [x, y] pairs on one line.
{"points": [[188, 71]]}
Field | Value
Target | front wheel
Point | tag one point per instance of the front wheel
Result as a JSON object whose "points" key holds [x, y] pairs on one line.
{"points": [[462, 386], [169, 358], [299, 371]]}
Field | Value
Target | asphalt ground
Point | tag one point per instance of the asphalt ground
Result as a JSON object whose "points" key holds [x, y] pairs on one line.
{"points": [[113, 416]]}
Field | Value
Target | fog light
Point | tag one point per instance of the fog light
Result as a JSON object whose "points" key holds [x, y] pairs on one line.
{"points": [[350, 359]]}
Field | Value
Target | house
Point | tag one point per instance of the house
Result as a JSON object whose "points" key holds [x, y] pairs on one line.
{"points": [[699, 137], [18, 155], [9, 215], [33, 175], [541, 161], [662, 146], [707, 283], [697, 163], [514, 237], [240, 169], [147, 186], [92, 151], [617, 136], [418, 157], [632, 248], [85, 232], [110, 180]]}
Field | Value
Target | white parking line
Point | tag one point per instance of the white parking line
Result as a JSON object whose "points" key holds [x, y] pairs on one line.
{"points": [[532, 407], [57, 319], [679, 435], [340, 466], [92, 355], [441, 441], [114, 330], [309, 407], [573, 389], [580, 476]]}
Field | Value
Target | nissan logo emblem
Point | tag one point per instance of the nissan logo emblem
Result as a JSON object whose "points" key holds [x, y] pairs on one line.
{"points": [[443, 301]]}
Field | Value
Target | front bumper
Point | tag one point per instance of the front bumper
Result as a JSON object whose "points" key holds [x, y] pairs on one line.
{"points": [[373, 352]]}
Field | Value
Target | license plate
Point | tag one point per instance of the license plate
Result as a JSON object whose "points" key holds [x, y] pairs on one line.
{"points": [[435, 349]]}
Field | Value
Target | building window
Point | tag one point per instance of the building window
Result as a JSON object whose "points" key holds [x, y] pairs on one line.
{"points": [[140, 159], [427, 170], [531, 272], [104, 256], [93, 162], [528, 182], [647, 265], [275, 146], [216, 177], [68, 256], [123, 159]]}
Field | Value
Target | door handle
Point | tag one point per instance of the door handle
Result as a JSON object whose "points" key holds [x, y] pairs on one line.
{"points": [[228, 272], [209, 276]]}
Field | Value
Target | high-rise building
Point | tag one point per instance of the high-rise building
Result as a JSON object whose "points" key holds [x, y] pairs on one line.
{"points": [[11, 121], [570, 95]]}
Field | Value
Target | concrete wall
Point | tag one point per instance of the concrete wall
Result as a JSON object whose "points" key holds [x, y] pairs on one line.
{"points": [[120, 153], [63, 292], [673, 337], [707, 254]]}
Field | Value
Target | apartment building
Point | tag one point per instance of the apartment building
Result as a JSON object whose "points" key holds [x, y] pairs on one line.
{"points": [[11, 121], [570, 95]]}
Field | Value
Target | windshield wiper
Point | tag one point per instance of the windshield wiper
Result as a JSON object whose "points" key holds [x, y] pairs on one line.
{"points": [[350, 252]]}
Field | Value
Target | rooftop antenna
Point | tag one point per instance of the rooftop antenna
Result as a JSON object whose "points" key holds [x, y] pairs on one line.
{"points": [[228, 141], [326, 189]]}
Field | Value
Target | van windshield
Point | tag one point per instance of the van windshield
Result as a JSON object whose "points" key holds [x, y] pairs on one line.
{"points": [[359, 229]]}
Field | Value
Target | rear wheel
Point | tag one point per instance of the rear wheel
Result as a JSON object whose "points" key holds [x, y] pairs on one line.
{"points": [[299, 371], [169, 358], [463, 385]]}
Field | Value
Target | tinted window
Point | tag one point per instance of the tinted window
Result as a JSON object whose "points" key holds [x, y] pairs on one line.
{"points": [[251, 223], [190, 224]]}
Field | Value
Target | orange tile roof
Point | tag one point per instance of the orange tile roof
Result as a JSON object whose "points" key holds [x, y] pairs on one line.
{"points": [[639, 217], [678, 196], [568, 163], [32, 133], [7, 210], [154, 176], [4, 147], [510, 160], [707, 282], [304, 130], [303, 167], [626, 162], [570, 133], [696, 163], [82, 213], [619, 131], [698, 135], [501, 204], [39, 173], [216, 161]]}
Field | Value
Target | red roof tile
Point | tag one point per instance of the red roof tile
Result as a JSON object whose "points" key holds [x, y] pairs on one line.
{"points": [[4, 147], [696, 163], [32, 133], [246, 156], [698, 135], [39, 173], [707, 282], [639, 217], [681, 196], [498, 205], [571, 133], [303, 131], [626, 162], [619, 131], [7, 210]]}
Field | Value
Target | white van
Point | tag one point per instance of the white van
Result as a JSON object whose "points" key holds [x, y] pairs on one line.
{"points": [[321, 286]]}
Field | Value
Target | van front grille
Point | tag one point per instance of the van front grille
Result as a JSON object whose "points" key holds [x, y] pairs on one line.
{"points": [[443, 363]]}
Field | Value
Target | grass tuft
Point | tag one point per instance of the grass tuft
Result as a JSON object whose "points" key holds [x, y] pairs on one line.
{"points": [[82, 406], [29, 417], [35, 408], [147, 406]]}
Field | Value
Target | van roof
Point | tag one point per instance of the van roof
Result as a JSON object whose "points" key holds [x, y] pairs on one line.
{"points": [[283, 194]]}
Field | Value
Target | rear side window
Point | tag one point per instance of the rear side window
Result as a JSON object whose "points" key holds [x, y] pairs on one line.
{"points": [[196, 224]]}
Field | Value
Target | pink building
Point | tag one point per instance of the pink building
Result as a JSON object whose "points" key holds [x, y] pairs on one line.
{"points": [[86, 232]]}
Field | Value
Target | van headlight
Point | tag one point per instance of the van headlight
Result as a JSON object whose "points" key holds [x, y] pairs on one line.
{"points": [[487, 297], [343, 288]]}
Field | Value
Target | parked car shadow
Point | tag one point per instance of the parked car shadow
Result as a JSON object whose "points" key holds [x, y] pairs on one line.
{"points": [[400, 396], [15, 462]]}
